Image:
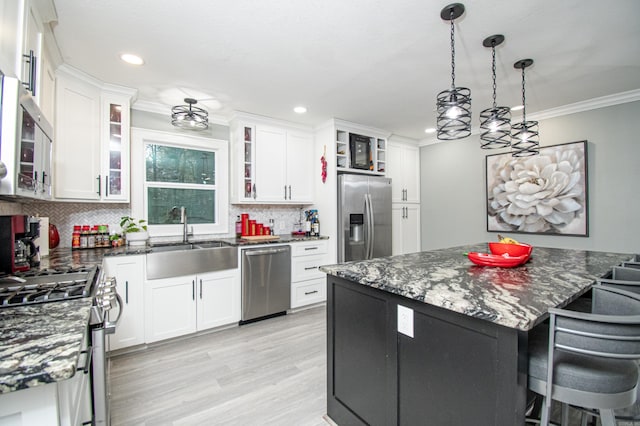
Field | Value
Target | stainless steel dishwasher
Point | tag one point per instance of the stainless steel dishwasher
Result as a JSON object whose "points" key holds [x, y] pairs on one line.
{"points": [[266, 282]]}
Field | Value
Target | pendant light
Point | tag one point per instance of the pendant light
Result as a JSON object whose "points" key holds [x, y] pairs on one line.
{"points": [[189, 117], [495, 122], [524, 136], [453, 106]]}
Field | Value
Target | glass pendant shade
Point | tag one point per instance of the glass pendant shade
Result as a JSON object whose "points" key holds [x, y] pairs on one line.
{"points": [[453, 106], [495, 122], [525, 140], [189, 116]]}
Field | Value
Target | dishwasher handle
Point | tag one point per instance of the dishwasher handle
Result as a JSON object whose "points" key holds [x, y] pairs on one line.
{"points": [[265, 252]]}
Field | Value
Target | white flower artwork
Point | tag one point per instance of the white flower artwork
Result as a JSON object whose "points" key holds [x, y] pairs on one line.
{"points": [[541, 194]]}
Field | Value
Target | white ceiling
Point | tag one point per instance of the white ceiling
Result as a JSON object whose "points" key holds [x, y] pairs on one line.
{"points": [[374, 62]]}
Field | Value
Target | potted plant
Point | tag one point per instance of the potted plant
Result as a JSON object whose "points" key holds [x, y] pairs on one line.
{"points": [[134, 230]]}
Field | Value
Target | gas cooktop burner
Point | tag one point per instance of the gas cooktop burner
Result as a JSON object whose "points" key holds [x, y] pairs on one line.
{"points": [[46, 286]]}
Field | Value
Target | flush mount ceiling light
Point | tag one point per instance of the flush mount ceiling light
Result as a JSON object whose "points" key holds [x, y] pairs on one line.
{"points": [[453, 106], [300, 110], [189, 117], [495, 122], [132, 59], [524, 136]]}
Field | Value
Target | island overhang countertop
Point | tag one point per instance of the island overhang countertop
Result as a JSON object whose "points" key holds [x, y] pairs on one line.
{"points": [[517, 297]]}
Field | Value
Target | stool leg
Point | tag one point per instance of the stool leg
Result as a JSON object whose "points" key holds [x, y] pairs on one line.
{"points": [[565, 414], [546, 412]]}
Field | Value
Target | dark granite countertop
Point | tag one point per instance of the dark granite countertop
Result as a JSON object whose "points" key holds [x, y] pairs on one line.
{"points": [[41, 344], [513, 297]]}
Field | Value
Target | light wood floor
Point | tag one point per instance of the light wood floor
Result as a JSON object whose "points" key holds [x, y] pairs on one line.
{"points": [[271, 372]]}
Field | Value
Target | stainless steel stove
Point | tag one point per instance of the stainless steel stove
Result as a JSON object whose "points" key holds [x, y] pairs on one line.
{"points": [[47, 286]]}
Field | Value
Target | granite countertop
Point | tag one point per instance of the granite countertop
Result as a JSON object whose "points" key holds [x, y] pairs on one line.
{"points": [[41, 344], [513, 297]]}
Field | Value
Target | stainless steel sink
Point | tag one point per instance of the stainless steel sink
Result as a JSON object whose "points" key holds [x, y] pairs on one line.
{"points": [[172, 247], [174, 260]]}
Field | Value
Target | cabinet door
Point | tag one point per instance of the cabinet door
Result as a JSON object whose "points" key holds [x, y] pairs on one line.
{"points": [[114, 182], [218, 298], [270, 146], [77, 149], [394, 171], [170, 308], [406, 228], [32, 50], [411, 162], [129, 274], [300, 167]]}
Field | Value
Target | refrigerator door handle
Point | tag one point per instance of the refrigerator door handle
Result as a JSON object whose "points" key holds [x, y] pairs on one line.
{"points": [[367, 227], [370, 227]]}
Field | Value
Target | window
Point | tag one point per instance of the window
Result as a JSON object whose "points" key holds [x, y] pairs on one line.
{"points": [[181, 171]]}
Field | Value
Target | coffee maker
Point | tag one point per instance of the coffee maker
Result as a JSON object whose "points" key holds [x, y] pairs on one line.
{"points": [[18, 251]]}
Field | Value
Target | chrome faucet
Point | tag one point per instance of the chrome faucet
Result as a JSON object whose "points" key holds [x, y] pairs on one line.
{"points": [[183, 221]]}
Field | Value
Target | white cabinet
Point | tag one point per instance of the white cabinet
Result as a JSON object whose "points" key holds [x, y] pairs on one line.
{"points": [[403, 167], [91, 153], [308, 283], [405, 223], [129, 274], [182, 305], [272, 164]]}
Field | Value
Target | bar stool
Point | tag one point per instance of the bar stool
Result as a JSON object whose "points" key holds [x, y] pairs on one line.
{"points": [[592, 356], [623, 278]]}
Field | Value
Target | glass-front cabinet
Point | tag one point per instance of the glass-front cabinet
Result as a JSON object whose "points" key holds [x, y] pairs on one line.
{"points": [[249, 184], [114, 180], [34, 163]]}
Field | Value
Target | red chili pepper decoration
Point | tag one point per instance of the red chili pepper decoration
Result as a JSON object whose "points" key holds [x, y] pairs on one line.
{"points": [[323, 161]]}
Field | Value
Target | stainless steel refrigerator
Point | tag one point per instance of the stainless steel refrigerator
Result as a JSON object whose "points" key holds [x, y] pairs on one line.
{"points": [[364, 217]]}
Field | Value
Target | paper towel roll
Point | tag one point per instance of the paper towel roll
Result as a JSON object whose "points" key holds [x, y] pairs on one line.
{"points": [[42, 242]]}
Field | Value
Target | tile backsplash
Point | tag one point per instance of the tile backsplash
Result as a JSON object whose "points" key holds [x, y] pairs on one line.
{"points": [[65, 215]]}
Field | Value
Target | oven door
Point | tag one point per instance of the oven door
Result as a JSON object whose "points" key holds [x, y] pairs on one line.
{"points": [[100, 373]]}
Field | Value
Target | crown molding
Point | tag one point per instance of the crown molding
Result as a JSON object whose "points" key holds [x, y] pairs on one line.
{"points": [[582, 106]]}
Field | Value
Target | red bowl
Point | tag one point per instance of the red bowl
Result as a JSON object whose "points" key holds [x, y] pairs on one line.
{"points": [[497, 260], [511, 249]]}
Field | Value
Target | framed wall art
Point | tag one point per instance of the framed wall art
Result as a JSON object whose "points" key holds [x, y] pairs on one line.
{"points": [[542, 194]]}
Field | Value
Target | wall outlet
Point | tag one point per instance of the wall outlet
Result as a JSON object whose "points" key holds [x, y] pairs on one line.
{"points": [[281, 225], [405, 320]]}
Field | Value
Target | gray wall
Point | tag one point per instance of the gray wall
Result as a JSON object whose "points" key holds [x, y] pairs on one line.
{"points": [[453, 210]]}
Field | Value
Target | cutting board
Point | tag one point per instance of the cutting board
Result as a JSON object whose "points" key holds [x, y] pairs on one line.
{"points": [[261, 238]]}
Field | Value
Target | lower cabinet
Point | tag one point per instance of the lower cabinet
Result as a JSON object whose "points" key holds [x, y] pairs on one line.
{"points": [[129, 274], [182, 305], [405, 223], [308, 284]]}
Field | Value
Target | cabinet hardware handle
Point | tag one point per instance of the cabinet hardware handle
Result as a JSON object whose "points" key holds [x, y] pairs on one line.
{"points": [[87, 362], [34, 181], [254, 191], [99, 185], [44, 178], [106, 185], [311, 248], [310, 268], [289, 192], [306, 293], [200, 288], [193, 289], [285, 192], [126, 292], [31, 84]]}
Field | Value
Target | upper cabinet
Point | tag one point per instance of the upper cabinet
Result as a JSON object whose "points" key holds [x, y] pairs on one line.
{"points": [[91, 150], [272, 163], [26, 43], [403, 162]]}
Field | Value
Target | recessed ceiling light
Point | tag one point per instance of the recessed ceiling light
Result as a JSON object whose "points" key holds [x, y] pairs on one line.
{"points": [[300, 110], [517, 108], [430, 130], [132, 59]]}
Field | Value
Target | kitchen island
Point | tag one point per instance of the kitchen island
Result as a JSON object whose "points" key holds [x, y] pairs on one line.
{"points": [[430, 338]]}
